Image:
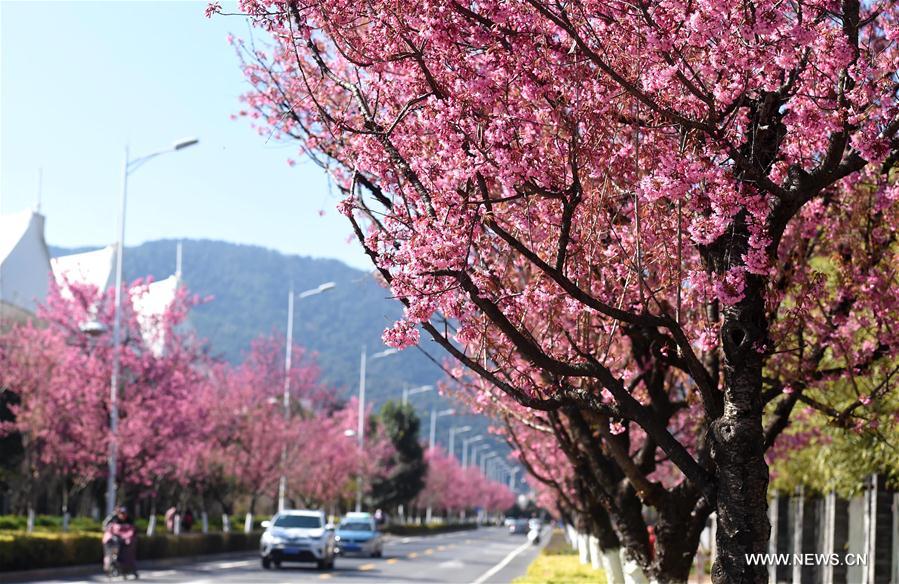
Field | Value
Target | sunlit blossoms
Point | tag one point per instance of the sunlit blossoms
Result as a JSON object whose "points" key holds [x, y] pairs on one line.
{"points": [[689, 205]]}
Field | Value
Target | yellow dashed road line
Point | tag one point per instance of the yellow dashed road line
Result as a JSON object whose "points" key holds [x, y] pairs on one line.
{"points": [[440, 548], [366, 567], [412, 555], [429, 551], [392, 561], [325, 577]]}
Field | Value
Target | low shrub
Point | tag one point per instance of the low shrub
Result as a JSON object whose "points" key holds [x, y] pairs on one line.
{"points": [[558, 545], [48, 523], [22, 551], [554, 565], [53, 523]]}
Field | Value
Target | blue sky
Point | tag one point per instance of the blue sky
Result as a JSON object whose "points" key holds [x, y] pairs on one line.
{"points": [[79, 80]]}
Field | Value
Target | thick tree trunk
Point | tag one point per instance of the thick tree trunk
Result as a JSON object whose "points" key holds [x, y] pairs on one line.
{"points": [[681, 516], [737, 444]]}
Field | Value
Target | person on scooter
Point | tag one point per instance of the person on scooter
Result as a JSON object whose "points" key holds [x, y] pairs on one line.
{"points": [[120, 544]]}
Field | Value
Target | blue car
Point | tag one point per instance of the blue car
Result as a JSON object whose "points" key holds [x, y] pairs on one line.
{"points": [[359, 535]]}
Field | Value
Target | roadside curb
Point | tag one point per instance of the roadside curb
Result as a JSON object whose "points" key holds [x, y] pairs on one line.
{"points": [[96, 569]]}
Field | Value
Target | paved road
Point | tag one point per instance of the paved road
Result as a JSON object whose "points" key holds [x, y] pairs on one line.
{"points": [[484, 556]]}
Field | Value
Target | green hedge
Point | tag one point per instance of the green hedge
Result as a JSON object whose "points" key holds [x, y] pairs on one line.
{"points": [[53, 523], [433, 529], [48, 523], [21, 551]]}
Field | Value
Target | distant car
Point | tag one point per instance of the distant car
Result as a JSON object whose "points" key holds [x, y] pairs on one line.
{"points": [[359, 535], [535, 523], [298, 536], [508, 521], [518, 527]]}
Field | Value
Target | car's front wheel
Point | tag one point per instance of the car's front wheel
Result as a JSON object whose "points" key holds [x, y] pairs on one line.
{"points": [[266, 563], [325, 564]]}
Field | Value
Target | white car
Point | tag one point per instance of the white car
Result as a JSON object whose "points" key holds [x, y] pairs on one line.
{"points": [[298, 536]]}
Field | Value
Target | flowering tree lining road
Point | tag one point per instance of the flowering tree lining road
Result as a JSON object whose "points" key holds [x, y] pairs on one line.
{"points": [[658, 227], [189, 425]]}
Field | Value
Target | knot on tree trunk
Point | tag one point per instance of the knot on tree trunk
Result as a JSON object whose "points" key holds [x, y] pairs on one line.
{"points": [[739, 339]]}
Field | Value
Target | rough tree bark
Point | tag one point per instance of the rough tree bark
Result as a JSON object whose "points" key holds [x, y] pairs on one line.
{"points": [[737, 437]]}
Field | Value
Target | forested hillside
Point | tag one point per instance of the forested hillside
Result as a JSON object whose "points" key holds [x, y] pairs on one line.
{"points": [[248, 286]]}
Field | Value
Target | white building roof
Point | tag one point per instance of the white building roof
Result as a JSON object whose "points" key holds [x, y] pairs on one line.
{"points": [[95, 268], [150, 304], [26, 266], [24, 261]]}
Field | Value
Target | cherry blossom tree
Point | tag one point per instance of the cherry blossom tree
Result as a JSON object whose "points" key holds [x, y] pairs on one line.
{"points": [[450, 487], [252, 431], [614, 212], [328, 464], [61, 375]]}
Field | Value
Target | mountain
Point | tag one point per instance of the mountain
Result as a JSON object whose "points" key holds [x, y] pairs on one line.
{"points": [[249, 285]]}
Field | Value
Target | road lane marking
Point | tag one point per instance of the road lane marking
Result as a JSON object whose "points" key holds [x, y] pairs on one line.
{"points": [[429, 551], [392, 561], [412, 555], [406, 540], [366, 567], [451, 564], [229, 565], [440, 548], [325, 577], [505, 562], [159, 573]]}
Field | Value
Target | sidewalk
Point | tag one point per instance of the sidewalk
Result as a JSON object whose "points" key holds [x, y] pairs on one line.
{"points": [[97, 569]]}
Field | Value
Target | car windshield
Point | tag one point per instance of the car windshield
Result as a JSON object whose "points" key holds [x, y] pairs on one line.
{"points": [[304, 521], [356, 526]]}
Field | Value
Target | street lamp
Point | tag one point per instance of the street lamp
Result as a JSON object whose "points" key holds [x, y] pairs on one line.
{"points": [[512, 472], [415, 390], [360, 431], [288, 353], [473, 459], [494, 469], [93, 328], [434, 415], [130, 166], [484, 460], [465, 443], [452, 437]]}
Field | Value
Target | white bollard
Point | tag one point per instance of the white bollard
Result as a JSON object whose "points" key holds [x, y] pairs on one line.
{"points": [[248, 523], [226, 523], [611, 563], [571, 535], [633, 574], [177, 528], [29, 525], [204, 521], [595, 554], [151, 525], [583, 549]]}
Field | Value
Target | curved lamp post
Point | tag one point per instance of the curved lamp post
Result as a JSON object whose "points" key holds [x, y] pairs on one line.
{"points": [[130, 166], [288, 353]]}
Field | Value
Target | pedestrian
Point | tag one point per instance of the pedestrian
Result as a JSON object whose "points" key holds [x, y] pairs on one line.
{"points": [[120, 544], [170, 518], [187, 521]]}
